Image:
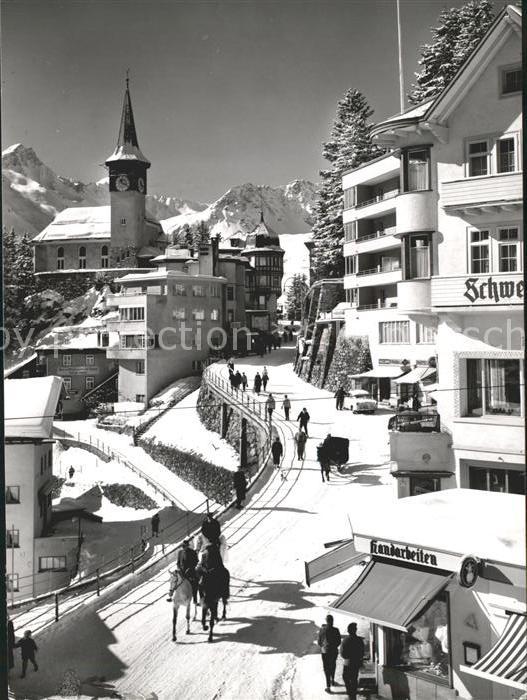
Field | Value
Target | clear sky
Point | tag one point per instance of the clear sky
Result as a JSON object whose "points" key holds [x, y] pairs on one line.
{"points": [[223, 92]]}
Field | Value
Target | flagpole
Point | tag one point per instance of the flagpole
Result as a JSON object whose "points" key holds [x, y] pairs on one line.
{"points": [[400, 49]]}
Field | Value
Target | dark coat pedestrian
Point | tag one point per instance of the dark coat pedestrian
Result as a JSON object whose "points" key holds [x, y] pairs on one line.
{"points": [[240, 486], [230, 364], [303, 419], [257, 383], [339, 395], [244, 381], [416, 404], [270, 405], [187, 560], [155, 525], [329, 641], [300, 440], [286, 405], [11, 642], [28, 648], [237, 380], [265, 378], [352, 653], [277, 451], [71, 472], [323, 456], [211, 528]]}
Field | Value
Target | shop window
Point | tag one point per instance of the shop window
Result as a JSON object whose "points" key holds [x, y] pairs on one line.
{"points": [[60, 258], [493, 387], [501, 480], [52, 563], [424, 484], [508, 254], [506, 154], [394, 332], [90, 383], [82, 257], [424, 648], [12, 494], [417, 256], [511, 80], [12, 583], [479, 252], [104, 256], [12, 539], [416, 169], [478, 158]]}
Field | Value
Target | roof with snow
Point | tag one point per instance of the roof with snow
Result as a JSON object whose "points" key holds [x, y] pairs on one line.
{"points": [[30, 405], [127, 144], [80, 223], [19, 365], [262, 236], [454, 520]]}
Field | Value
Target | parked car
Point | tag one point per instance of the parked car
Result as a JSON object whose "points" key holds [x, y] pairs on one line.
{"points": [[360, 401]]}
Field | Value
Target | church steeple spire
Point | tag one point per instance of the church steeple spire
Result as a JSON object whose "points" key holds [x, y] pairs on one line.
{"points": [[127, 148]]}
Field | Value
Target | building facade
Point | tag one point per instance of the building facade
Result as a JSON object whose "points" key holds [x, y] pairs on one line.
{"points": [[463, 149], [36, 561], [84, 240]]}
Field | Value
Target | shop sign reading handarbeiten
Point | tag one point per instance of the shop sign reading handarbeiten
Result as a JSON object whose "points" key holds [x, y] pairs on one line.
{"points": [[407, 553]]}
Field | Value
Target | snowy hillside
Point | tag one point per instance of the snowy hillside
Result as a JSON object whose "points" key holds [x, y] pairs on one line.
{"points": [[32, 194], [287, 210]]}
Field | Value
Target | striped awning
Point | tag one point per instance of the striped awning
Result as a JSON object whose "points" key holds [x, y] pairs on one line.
{"points": [[506, 662]]}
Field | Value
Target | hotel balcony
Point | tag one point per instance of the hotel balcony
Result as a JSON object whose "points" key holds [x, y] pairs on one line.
{"points": [[383, 239], [377, 277], [377, 205], [118, 353], [487, 194], [416, 211], [414, 295]]}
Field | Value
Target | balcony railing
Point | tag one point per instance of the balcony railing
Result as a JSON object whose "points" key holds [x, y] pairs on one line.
{"points": [[379, 270], [415, 422], [390, 231], [372, 307], [378, 198]]}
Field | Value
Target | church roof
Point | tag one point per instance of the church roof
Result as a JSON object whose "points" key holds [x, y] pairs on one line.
{"points": [[127, 144], [79, 223]]}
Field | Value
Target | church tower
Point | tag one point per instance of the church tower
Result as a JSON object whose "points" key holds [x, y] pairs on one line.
{"points": [[127, 168]]}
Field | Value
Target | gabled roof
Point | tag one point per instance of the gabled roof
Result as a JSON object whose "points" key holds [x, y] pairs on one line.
{"points": [[127, 144], [434, 113], [30, 405]]}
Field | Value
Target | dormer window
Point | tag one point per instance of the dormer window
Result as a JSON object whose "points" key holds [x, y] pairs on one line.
{"points": [[511, 80]]}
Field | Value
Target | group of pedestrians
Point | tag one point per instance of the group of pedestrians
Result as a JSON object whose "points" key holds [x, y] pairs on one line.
{"points": [[351, 652]]}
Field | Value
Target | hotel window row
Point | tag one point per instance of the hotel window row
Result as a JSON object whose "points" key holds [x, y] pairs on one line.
{"points": [[398, 333], [494, 250], [89, 360]]}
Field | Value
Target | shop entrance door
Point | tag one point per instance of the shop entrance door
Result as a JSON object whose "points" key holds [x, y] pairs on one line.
{"points": [[384, 389]]}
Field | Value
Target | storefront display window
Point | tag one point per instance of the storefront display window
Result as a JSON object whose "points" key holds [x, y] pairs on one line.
{"points": [[425, 647], [493, 387]]}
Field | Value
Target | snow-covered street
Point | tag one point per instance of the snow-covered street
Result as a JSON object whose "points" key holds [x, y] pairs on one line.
{"points": [[266, 648]]}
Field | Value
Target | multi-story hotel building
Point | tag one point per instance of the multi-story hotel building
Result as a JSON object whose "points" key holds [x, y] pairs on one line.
{"points": [[463, 151], [37, 561]]}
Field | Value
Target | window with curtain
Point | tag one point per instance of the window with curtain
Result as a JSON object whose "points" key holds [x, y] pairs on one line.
{"points": [[502, 387], [394, 332], [479, 252], [506, 153], [501, 480], [417, 169], [508, 249], [417, 255], [478, 158]]}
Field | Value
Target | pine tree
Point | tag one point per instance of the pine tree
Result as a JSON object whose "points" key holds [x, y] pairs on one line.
{"points": [[296, 293], [350, 145], [458, 33], [201, 234]]}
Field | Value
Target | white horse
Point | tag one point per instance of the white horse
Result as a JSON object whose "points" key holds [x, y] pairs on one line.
{"points": [[180, 593]]}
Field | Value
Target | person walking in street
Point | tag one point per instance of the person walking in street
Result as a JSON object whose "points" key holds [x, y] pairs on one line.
{"points": [[186, 562], [270, 405], [71, 472], [352, 653], [277, 451], [300, 441], [329, 641], [286, 405], [240, 486], [244, 381], [323, 455], [28, 648], [265, 378], [303, 419], [155, 525], [237, 380], [339, 395], [230, 364], [257, 386], [211, 528]]}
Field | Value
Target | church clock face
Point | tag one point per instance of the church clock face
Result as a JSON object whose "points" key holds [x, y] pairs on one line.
{"points": [[122, 183], [140, 184]]}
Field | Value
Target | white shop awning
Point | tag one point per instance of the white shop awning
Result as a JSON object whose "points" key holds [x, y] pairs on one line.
{"points": [[506, 662], [381, 372], [416, 375], [331, 563]]}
